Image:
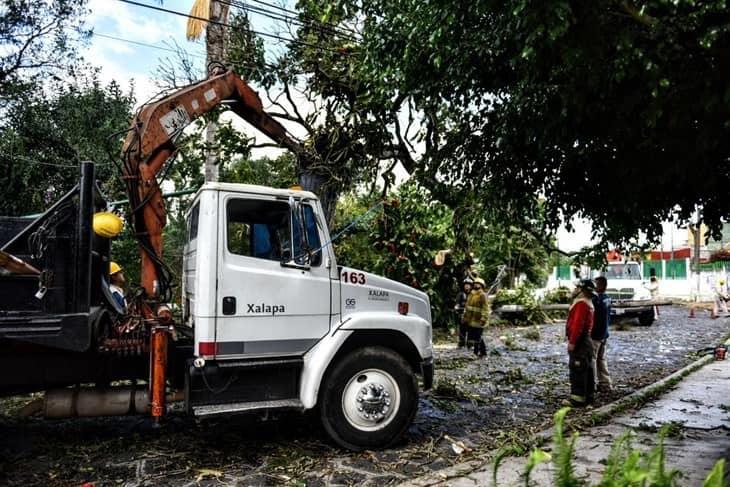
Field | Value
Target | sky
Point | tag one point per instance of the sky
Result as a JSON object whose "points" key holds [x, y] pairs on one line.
{"points": [[130, 42]]}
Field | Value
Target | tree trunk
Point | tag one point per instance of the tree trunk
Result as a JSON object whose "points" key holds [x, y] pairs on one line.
{"points": [[319, 184]]}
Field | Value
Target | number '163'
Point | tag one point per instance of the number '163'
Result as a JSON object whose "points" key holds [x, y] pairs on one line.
{"points": [[353, 277]]}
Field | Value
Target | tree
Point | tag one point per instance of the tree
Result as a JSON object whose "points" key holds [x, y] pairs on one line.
{"points": [[43, 139], [38, 41], [308, 85], [616, 111]]}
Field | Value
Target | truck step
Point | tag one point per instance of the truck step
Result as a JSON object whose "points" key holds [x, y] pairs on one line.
{"points": [[245, 407]]}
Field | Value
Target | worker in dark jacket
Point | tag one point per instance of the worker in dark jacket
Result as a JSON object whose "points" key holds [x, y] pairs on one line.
{"points": [[599, 335], [580, 347], [459, 310]]}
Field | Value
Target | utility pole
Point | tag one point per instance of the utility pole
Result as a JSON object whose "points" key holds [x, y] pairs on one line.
{"points": [[698, 227], [215, 52]]}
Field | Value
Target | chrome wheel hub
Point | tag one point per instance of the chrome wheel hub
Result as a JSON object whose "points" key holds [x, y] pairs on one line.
{"points": [[370, 399]]}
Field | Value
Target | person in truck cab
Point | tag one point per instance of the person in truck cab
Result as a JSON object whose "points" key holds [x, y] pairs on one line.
{"points": [[476, 314], [116, 284], [578, 329]]}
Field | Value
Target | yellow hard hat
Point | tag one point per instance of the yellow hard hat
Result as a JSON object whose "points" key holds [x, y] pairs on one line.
{"points": [[722, 281], [107, 224], [479, 280], [114, 268]]}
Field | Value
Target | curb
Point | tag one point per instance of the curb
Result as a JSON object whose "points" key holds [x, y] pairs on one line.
{"points": [[465, 468]]}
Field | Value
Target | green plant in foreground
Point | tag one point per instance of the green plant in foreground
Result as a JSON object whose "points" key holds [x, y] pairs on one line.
{"points": [[716, 477], [563, 454], [626, 466]]}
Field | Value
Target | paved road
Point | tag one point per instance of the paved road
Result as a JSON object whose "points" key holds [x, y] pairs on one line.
{"points": [[480, 403], [698, 408]]}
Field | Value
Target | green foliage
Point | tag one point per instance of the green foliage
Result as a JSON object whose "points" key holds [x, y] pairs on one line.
{"points": [[559, 295], [522, 295], [588, 103], [411, 228], [39, 44], [501, 239], [535, 458], [356, 247], [563, 453], [43, 139], [716, 477], [277, 173], [626, 466]]}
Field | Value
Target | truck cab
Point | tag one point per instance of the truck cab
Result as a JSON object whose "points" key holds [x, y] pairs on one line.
{"points": [[278, 324]]}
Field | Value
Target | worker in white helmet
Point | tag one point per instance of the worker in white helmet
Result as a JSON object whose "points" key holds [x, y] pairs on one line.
{"points": [[721, 297]]}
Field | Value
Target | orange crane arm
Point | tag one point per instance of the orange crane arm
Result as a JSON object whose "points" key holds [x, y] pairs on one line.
{"points": [[151, 142]]}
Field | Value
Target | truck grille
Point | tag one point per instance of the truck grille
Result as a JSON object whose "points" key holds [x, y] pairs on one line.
{"points": [[625, 293]]}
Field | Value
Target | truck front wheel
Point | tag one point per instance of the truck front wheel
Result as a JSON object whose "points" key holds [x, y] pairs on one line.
{"points": [[646, 318], [369, 399]]}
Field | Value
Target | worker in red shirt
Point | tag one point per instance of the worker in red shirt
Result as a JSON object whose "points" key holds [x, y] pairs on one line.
{"points": [[580, 347]]}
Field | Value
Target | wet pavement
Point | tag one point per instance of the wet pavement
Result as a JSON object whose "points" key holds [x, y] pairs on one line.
{"points": [[476, 406], [696, 412]]}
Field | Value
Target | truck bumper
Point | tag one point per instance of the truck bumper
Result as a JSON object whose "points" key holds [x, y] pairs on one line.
{"points": [[630, 312], [427, 372]]}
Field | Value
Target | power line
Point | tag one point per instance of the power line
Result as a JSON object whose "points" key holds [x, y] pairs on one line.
{"points": [[224, 24], [310, 23], [292, 12], [152, 46], [180, 50]]}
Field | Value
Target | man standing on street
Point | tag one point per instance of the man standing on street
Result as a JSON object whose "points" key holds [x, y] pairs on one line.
{"points": [[599, 335], [580, 347]]}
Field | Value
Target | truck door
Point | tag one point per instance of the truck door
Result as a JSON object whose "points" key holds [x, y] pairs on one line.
{"points": [[271, 300]]}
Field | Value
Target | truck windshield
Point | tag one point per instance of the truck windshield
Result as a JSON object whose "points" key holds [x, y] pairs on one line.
{"points": [[623, 271]]}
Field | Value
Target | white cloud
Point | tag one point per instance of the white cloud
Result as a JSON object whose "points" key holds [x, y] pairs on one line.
{"points": [[136, 23]]}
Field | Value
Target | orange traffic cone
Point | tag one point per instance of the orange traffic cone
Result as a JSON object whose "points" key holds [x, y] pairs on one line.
{"points": [[713, 314], [691, 311]]}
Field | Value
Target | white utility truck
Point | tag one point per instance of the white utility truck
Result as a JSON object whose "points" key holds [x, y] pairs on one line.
{"points": [[278, 324], [270, 321], [627, 289]]}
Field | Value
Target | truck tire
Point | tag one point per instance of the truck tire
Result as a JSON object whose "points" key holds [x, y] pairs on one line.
{"points": [[646, 318], [368, 399]]}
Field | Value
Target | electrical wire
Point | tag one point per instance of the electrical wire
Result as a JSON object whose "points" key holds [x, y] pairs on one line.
{"points": [[309, 23], [144, 44], [296, 14], [229, 26], [183, 51]]}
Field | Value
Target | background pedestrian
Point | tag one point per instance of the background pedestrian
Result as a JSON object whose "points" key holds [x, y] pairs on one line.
{"points": [[599, 335], [459, 310], [476, 316], [580, 347]]}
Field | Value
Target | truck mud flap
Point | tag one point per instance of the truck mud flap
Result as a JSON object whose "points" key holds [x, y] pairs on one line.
{"points": [[243, 385]]}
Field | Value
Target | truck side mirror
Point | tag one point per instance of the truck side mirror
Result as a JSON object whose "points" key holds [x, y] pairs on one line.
{"points": [[299, 255]]}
